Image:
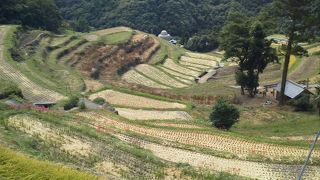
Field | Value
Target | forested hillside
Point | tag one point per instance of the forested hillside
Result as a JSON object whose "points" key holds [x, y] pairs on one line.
{"points": [[42, 14], [179, 17]]}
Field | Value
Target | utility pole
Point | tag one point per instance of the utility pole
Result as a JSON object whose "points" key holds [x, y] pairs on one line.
{"points": [[309, 156]]}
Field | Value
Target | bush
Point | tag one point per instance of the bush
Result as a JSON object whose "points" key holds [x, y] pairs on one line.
{"points": [[224, 115], [303, 103], [82, 105], [71, 103], [99, 101], [8, 88]]}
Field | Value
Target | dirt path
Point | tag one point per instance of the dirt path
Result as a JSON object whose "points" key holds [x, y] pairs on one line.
{"points": [[30, 90], [239, 147], [242, 168]]}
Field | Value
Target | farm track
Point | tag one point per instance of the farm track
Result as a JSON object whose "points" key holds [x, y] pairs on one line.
{"points": [[238, 167], [242, 148], [30, 90]]}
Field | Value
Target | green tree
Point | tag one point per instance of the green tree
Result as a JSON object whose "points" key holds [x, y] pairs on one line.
{"points": [[81, 25], [244, 38], [41, 14], [298, 19], [224, 115]]}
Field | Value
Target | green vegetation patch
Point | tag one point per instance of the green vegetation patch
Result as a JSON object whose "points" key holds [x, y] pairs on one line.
{"points": [[16, 166], [117, 38], [8, 88]]}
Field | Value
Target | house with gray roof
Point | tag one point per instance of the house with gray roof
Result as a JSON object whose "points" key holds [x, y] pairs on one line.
{"points": [[293, 90]]}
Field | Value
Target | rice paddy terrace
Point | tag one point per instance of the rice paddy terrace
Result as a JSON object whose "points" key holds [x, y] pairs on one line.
{"points": [[151, 136]]}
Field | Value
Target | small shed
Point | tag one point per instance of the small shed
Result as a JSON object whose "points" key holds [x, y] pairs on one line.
{"points": [[44, 104], [293, 90]]}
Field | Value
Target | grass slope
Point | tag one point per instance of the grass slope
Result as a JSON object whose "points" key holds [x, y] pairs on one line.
{"points": [[17, 166]]}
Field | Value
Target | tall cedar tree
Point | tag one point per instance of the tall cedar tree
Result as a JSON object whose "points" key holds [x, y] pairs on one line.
{"points": [[244, 39], [299, 19]]}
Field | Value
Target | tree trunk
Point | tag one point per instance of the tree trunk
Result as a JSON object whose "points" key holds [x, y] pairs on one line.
{"points": [[285, 68], [242, 90]]}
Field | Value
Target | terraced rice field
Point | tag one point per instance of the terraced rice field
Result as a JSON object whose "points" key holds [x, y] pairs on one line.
{"points": [[176, 74], [134, 77], [95, 35], [203, 56], [177, 125], [34, 127], [30, 90], [199, 61], [195, 65], [133, 114], [238, 147], [238, 167], [172, 74], [105, 159], [127, 100], [159, 76]]}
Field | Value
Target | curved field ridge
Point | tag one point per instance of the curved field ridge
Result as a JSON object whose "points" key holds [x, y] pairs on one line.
{"points": [[238, 167], [128, 100], [133, 114], [95, 35], [34, 127], [134, 77], [239, 147], [203, 67], [203, 56], [177, 74], [198, 61], [159, 76], [177, 125], [170, 64], [30, 90]]}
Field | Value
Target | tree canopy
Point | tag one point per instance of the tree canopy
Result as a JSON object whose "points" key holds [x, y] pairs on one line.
{"points": [[243, 38], [34, 13], [183, 18]]}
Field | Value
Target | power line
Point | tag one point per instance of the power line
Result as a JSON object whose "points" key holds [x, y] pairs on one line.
{"points": [[309, 156]]}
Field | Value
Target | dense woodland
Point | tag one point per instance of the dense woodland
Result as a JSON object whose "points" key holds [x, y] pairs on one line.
{"points": [[199, 19], [196, 23]]}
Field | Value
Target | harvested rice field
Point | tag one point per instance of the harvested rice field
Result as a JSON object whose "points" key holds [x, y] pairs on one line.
{"points": [[133, 114], [203, 56], [159, 76], [129, 100], [134, 77], [199, 61], [123, 104]]}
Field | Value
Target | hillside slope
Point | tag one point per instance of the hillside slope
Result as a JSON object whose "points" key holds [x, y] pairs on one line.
{"points": [[180, 17]]}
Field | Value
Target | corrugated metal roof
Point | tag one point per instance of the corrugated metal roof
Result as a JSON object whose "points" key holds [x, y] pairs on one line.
{"points": [[292, 89]]}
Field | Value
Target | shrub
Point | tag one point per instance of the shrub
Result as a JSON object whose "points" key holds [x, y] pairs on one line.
{"points": [[224, 115], [82, 105], [71, 103], [302, 103], [8, 88], [99, 101]]}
